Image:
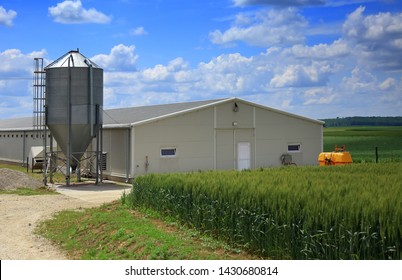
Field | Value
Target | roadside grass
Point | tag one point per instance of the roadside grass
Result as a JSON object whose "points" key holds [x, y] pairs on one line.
{"points": [[115, 232], [27, 191]]}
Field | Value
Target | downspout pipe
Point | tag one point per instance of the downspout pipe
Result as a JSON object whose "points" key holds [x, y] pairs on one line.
{"points": [[69, 154], [128, 155], [91, 97]]}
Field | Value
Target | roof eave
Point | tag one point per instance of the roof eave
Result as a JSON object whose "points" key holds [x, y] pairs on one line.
{"points": [[117, 126], [279, 111], [17, 129]]}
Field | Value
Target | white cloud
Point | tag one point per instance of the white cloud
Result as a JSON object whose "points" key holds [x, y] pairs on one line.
{"points": [[338, 48], [303, 75], [360, 81], [377, 38], [319, 96], [286, 3], [388, 84], [157, 73], [14, 63], [316, 81], [138, 31], [177, 64], [264, 28], [230, 73], [7, 17], [16, 69], [226, 63], [121, 58], [72, 12]]}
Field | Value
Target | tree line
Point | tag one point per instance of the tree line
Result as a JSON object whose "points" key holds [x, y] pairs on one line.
{"points": [[363, 121]]}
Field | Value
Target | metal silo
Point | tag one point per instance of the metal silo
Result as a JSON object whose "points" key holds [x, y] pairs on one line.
{"points": [[74, 101]]}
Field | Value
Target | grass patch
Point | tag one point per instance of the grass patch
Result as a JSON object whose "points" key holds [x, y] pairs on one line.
{"points": [[27, 191], [361, 142], [113, 231]]}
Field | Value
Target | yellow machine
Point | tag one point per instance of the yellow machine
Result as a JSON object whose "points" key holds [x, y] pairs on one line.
{"points": [[338, 157]]}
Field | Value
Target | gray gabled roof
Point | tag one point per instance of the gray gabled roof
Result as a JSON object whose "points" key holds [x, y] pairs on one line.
{"points": [[16, 124], [126, 117], [138, 115]]}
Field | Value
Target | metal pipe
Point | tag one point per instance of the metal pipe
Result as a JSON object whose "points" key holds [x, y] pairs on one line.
{"points": [[44, 156], [101, 149], [91, 101], [128, 155], [91, 97], [98, 155], [51, 160], [24, 153], [69, 126]]}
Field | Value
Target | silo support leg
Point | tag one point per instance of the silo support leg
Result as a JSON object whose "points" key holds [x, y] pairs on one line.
{"points": [[79, 172]]}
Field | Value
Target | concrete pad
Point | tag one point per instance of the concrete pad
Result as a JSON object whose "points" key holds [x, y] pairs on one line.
{"points": [[102, 193]]}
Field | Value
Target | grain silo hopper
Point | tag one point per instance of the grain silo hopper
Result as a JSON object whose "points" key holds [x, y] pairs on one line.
{"points": [[74, 101]]}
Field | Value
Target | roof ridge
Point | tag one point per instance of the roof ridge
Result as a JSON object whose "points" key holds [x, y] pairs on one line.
{"points": [[167, 104]]}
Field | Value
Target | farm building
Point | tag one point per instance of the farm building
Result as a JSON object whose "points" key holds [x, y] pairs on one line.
{"points": [[203, 135]]}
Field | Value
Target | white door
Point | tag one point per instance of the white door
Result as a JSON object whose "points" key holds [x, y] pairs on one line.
{"points": [[243, 155]]}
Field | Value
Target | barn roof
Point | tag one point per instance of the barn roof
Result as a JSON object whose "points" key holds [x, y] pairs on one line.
{"points": [[138, 115], [126, 117]]}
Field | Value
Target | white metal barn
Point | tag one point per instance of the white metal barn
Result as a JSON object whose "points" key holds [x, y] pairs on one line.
{"points": [[204, 135]]}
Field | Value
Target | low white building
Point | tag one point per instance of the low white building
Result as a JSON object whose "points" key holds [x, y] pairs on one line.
{"points": [[203, 135]]}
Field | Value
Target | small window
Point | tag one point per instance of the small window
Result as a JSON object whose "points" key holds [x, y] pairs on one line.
{"points": [[168, 152], [294, 147]]}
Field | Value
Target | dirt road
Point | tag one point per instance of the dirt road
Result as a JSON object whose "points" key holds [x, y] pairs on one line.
{"points": [[19, 216]]}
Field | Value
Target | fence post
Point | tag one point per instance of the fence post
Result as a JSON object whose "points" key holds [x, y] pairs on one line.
{"points": [[376, 154]]}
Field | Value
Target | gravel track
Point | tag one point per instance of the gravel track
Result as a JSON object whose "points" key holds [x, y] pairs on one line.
{"points": [[19, 215]]}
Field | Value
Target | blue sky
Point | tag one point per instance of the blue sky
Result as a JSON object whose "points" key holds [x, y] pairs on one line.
{"points": [[316, 58]]}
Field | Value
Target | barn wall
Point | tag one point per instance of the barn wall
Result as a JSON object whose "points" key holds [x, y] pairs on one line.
{"points": [[15, 145], [275, 131], [192, 136], [234, 126], [116, 151], [210, 138], [214, 137]]}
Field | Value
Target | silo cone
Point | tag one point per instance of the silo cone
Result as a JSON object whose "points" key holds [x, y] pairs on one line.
{"points": [[74, 99]]}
